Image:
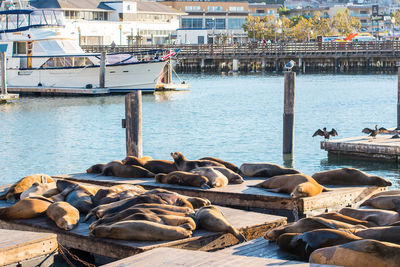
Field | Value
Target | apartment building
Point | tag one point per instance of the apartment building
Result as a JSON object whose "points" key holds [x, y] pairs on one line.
{"points": [[263, 9]]}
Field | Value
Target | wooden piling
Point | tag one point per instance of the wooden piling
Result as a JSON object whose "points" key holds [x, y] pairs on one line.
{"points": [[398, 96], [288, 111], [133, 124], [103, 69], [3, 73]]}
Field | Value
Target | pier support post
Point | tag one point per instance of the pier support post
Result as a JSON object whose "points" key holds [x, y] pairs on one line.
{"points": [[263, 64], [276, 65], [336, 64], [3, 73], [235, 65], [133, 123], [103, 69], [398, 95], [288, 111], [202, 64]]}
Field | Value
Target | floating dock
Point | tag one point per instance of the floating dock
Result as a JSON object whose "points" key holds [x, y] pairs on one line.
{"points": [[246, 196], [21, 248], [382, 147]]}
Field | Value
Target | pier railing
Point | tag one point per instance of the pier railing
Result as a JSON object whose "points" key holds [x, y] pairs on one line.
{"points": [[316, 49]]}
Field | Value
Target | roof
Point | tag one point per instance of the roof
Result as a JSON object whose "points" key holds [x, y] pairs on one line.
{"points": [[154, 7]]}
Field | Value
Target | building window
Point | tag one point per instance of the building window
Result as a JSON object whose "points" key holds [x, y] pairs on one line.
{"points": [[270, 12], [192, 8], [260, 11], [236, 23], [363, 12], [237, 9], [128, 7], [215, 24], [192, 23], [214, 8]]}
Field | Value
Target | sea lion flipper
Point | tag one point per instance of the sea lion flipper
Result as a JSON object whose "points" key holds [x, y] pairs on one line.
{"points": [[237, 234], [324, 189], [396, 203]]}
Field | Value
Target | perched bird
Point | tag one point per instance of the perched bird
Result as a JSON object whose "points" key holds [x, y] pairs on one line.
{"points": [[325, 133], [374, 132], [289, 66]]}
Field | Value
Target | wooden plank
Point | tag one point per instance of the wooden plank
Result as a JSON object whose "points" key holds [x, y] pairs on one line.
{"points": [[175, 257], [17, 246], [251, 224], [247, 196]]}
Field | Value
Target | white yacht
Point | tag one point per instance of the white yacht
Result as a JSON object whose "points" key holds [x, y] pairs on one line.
{"points": [[40, 54]]}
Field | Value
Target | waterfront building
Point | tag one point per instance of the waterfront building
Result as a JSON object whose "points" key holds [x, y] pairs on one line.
{"points": [[211, 22], [123, 22], [263, 9]]}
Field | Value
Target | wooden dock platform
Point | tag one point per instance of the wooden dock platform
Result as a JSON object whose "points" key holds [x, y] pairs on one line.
{"points": [[246, 196], [177, 257], [382, 147], [251, 224], [4, 98], [21, 248]]}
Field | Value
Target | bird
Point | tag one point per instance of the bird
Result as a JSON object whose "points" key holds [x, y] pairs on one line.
{"points": [[289, 66], [376, 131], [325, 133]]}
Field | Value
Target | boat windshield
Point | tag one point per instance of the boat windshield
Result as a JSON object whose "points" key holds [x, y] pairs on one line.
{"points": [[21, 20], [65, 62]]}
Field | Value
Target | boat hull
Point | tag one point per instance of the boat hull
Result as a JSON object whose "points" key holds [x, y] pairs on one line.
{"points": [[118, 78]]}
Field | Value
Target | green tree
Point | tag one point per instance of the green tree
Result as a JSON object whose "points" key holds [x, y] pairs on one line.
{"points": [[303, 30], [344, 23], [321, 26]]}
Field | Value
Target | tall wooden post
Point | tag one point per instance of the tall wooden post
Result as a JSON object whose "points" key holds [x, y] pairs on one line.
{"points": [[3, 73], [288, 111], [398, 95], [103, 69], [133, 124]]}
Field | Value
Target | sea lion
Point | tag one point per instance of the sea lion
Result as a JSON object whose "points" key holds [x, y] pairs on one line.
{"points": [[63, 214], [297, 185], [374, 216], [233, 177], [183, 178], [227, 165], [183, 164], [309, 224], [26, 209], [386, 202], [116, 193], [215, 178], [263, 169], [303, 244], [127, 171], [212, 219], [96, 168], [343, 218], [384, 233], [386, 193], [24, 184], [141, 231], [132, 160], [39, 189], [198, 202], [349, 176], [365, 252]]}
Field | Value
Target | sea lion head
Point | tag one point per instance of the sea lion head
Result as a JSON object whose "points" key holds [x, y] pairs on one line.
{"points": [[237, 179], [272, 235], [161, 178], [97, 168], [285, 241], [299, 191], [177, 156], [379, 181], [198, 202]]}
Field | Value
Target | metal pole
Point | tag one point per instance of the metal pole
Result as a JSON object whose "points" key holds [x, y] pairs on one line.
{"points": [[3, 73], [288, 111], [103, 69]]}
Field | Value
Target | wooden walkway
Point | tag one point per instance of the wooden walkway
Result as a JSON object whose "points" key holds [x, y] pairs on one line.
{"points": [[246, 196], [381, 147], [176, 257], [20, 246], [251, 224]]}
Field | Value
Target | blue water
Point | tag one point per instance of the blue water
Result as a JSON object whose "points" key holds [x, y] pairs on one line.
{"points": [[236, 118]]}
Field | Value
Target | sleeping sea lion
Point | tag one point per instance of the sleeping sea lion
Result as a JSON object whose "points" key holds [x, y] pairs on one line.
{"points": [[309, 224], [263, 169], [364, 252], [63, 214], [303, 244], [132, 160], [374, 216], [24, 184], [386, 193], [141, 231], [183, 164], [39, 189], [384, 233], [297, 185], [26, 209], [78, 195], [96, 168], [212, 219], [116, 193], [215, 178], [227, 165], [385, 202], [349, 176], [233, 177], [183, 178], [343, 218], [127, 171]]}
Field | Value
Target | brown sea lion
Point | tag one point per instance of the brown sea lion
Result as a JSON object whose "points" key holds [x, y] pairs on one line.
{"points": [[215, 177], [386, 202], [386, 193], [38, 189], [374, 216], [116, 193], [384, 233], [26, 209], [349, 176], [212, 219], [96, 168], [183, 178], [24, 184], [343, 218], [183, 164], [364, 252], [227, 165], [233, 177], [297, 185], [132, 160], [127, 171], [303, 244], [63, 214], [309, 224], [263, 169], [141, 231]]}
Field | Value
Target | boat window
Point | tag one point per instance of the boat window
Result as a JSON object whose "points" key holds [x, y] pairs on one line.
{"points": [[52, 47], [19, 48], [57, 62], [69, 47]]}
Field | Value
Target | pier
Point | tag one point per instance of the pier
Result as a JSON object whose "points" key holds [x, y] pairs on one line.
{"points": [[333, 57]]}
